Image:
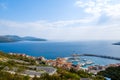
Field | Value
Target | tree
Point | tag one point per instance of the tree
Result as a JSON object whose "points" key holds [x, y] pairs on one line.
{"points": [[111, 72]]}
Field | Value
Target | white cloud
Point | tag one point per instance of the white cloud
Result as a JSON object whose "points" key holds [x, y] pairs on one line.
{"points": [[81, 29], [48, 30], [99, 7], [45, 23]]}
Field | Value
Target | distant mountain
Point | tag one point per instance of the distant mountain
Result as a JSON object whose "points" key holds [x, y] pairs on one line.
{"points": [[14, 38], [29, 38], [118, 43]]}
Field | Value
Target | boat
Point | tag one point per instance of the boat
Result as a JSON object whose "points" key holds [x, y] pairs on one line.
{"points": [[84, 59], [88, 62], [81, 64]]}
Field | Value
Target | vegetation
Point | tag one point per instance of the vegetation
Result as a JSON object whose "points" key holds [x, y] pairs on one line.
{"points": [[11, 65], [63, 74], [8, 76], [18, 57], [111, 72]]}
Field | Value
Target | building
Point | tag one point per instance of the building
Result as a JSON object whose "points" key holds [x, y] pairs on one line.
{"points": [[59, 62]]}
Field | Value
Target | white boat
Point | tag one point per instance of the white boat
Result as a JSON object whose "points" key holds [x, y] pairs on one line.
{"points": [[81, 64], [88, 62], [84, 59]]}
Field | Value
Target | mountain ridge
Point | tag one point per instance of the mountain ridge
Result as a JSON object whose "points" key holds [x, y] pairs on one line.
{"points": [[15, 38]]}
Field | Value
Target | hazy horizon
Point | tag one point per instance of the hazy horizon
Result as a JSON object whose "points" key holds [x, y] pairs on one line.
{"points": [[62, 20]]}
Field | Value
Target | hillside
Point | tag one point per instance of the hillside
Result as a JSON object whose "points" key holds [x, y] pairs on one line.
{"points": [[14, 38], [22, 67]]}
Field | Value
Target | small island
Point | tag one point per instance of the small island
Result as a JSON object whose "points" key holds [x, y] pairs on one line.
{"points": [[15, 38], [118, 43]]}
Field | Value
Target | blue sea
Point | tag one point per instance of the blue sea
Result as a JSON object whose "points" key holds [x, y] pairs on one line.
{"points": [[53, 49]]}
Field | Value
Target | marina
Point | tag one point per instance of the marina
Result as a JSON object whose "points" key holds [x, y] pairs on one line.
{"points": [[77, 60]]}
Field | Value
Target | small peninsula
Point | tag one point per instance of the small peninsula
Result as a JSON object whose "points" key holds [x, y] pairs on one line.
{"points": [[15, 38]]}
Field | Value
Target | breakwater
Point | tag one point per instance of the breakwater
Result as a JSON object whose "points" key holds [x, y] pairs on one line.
{"points": [[94, 55]]}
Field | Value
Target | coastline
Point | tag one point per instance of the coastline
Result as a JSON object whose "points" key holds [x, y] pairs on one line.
{"points": [[60, 62], [36, 66], [82, 57]]}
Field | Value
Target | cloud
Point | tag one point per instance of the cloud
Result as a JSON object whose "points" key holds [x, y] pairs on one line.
{"points": [[105, 13], [99, 7], [101, 22], [61, 23], [48, 30]]}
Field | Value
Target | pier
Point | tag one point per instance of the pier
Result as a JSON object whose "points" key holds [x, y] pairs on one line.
{"points": [[94, 55]]}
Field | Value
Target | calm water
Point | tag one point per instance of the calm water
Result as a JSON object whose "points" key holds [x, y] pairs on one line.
{"points": [[52, 50]]}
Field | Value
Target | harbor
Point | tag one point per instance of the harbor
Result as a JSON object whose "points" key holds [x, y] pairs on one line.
{"points": [[83, 61]]}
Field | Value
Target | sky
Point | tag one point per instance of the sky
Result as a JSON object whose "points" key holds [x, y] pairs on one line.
{"points": [[64, 20]]}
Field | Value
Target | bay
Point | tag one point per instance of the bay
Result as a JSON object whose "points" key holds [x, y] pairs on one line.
{"points": [[52, 49]]}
